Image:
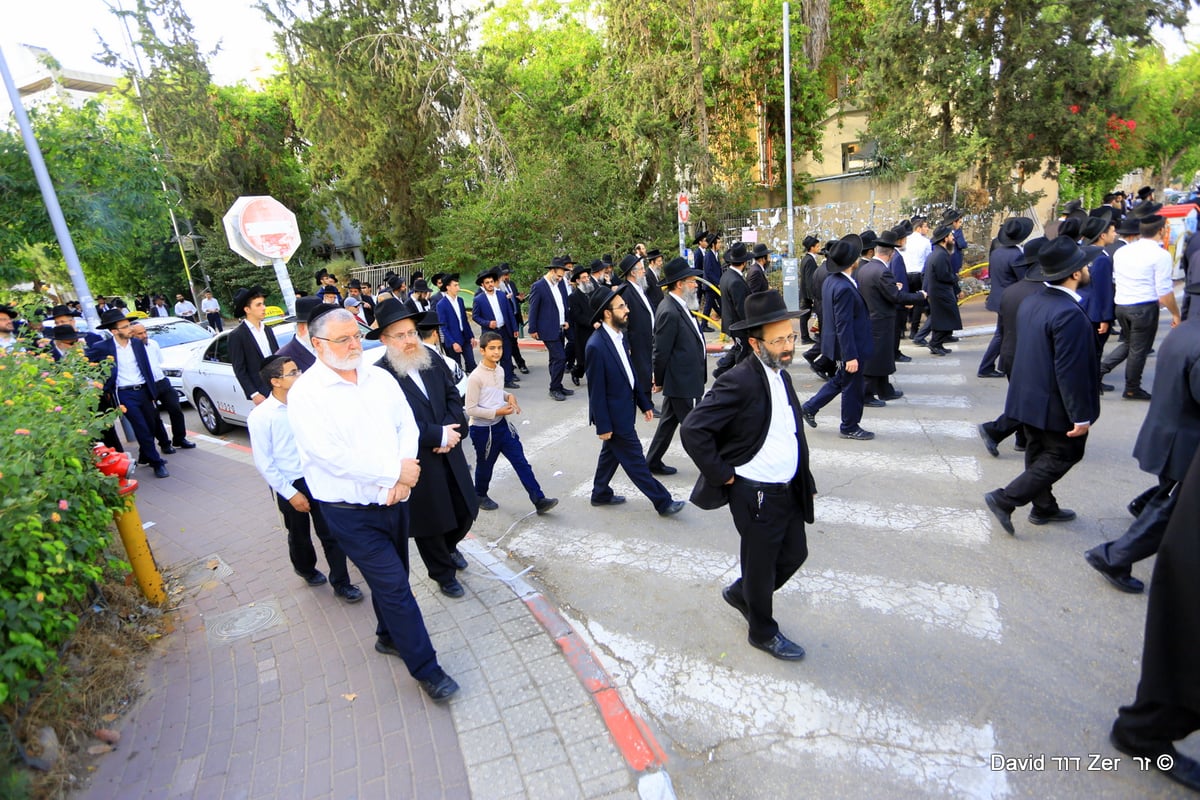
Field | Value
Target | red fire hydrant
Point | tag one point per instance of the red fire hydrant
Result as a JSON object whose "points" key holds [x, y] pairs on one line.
{"points": [[129, 523]]}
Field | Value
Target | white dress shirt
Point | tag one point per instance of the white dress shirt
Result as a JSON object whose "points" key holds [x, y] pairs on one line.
{"points": [[618, 341], [274, 447], [209, 305], [259, 332], [686, 310], [128, 371], [1142, 272], [776, 460], [916, 251], [558, 302], [493, 299], [154, 356], [352, 437], [184, 308]]}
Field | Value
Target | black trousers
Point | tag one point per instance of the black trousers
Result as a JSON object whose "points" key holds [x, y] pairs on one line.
{"points": [[375, 538], [773, 546], [1002, 427], [300, 546], [1139, 327], [674, 412], [624, 449], [1049, 455], [435, 550], [1152, 726], [1145, 534], [142, 415], [169, 402], [988, 362], [558, 364]]}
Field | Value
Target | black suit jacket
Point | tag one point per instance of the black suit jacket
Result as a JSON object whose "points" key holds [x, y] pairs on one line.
{"points": [[108, 348], [1055, 373], [878, 287], [654, 292], [432, 511], [640, 337], [1170, 435], [728, 428], [1002, 274], [1007, 321], [298, 353], [679, 357], [733, 299], [610, 397], [247, 359]]}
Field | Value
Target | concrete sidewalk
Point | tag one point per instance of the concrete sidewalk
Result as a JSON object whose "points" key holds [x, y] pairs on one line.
{"points": [[268, 688]]}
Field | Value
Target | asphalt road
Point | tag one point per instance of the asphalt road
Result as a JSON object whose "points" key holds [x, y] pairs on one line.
{"points": [[936, 642]]}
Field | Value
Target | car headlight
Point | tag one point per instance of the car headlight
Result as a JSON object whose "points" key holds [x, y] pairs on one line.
{"points": [[173, 373]]}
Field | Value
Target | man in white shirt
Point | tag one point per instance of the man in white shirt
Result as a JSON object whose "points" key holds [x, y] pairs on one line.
{"points": [[185, 308], [363, 475], [166, 397], [916, 251], [8, 326], [212, 311], [278, 461], [1142, 272]]}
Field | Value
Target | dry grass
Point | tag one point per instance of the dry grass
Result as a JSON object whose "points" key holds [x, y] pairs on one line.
{"points": [[95, 681]]}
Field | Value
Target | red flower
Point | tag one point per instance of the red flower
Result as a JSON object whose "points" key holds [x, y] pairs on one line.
{"points": [[1132, 124], [1074, 109]]}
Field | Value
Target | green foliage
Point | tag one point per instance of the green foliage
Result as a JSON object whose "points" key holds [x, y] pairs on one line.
{"points": [[55, 508], [1165, 101]]}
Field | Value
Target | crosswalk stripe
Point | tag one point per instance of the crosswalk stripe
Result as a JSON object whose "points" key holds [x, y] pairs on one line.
{"points": [[937, 400], [934, 378], [964, 468], [917, 363], [970, 528], [961, 609], [950, 428], [947, 756], [540, 440]]}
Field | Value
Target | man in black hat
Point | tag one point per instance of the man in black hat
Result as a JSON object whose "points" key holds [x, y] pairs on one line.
{"points": [[733, 306], [300, 348], [614, 394], [639, 332], [1169, 436], [367, 305], [165, 397], [881, 292], [996, 431], [516, 298], [548, 323], [420, 295], [62, 340], [1142, 273], [699, 258], [1055, 388], [917, 250], [458, 337], [130, 384], [1098, 296], [443, 502], [679, 359], [251, 342], [579, 314], [756, 269], [845, 340], [808, 266], [1013, 231], [746, 438], [492, 312], [712, 271], [942, 290], [954, 218], [899, 269], [653, 262]]}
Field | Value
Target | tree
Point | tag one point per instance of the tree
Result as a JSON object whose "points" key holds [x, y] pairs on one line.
{"points": [[1165, 99]]}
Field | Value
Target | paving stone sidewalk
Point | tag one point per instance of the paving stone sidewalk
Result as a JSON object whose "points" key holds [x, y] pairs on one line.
{"points": [[268, 688]]}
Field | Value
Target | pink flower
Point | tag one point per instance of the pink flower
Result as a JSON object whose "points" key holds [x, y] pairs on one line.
{"points": [[63, 505], [58, 408], [22, 431]]}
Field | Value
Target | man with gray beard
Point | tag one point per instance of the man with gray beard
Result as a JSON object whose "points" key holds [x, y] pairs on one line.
{"points": [[443, 502], [579, 313]]}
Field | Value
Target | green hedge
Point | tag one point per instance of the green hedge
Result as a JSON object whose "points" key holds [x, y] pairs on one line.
{"points": [[55, 508]]}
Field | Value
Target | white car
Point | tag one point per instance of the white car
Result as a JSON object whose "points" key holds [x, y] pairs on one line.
{"points": [[178, 340], [209, 382]]}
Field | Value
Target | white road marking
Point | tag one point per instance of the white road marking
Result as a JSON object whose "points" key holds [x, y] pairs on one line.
{"points": [[923, 361], [934, 429], [969, 528], [949, 756], [534, 443], [935, 378], [961, 609], [963, 468], [937, 400]]}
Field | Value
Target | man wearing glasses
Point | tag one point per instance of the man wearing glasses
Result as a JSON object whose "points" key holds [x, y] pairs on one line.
{"points": [[363, 476], [275, 456], [747, 440]]}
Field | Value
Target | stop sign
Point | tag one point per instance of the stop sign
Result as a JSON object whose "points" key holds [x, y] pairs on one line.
{"points": [[261, 229], [683, 207]]}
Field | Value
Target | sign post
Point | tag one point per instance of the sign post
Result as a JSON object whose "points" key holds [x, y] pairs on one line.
{"points": [[263, 231], [683, 218]]}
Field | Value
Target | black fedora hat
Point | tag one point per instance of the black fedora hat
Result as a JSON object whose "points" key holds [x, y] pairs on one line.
{"points": [[1147, 208], [556, 263], [429, 321], [888, 238], [737, 254], [702, 236], [868, 239], [1014, 230], [760, 251], [582, 268], [60, 311], [1103, 211], [602, 297], [940, 233], [653, 254], [419, 285], [951, 215], [566, 259], [354, 283], [1028, 257], [1070, 228], [809, 242], [677, 269], [492, 273], [905, 226], [628, 263], [305, 306], [1061, 257], [1129, 226], [320, 311], [1093, 228], [763, 308], [243, 297], [1145, 192], [64, 333], [108, 320], [390, 311], [844, 253]]}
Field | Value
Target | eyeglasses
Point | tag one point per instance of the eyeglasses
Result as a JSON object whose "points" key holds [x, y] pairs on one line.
{"points": [[291, 373], [781, 340], [341, 341], [400, 337]]}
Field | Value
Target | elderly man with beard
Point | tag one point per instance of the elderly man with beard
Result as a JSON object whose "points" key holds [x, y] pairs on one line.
{"points": [[579, 314], [443, 502], [363, 475], [747, 440]]}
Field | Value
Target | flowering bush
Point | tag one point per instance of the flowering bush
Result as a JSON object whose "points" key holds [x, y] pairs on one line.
{"points": [[55, 508]]}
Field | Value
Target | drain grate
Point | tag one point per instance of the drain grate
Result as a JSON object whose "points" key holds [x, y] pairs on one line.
{"points": [[242, 622], [203, 570]]}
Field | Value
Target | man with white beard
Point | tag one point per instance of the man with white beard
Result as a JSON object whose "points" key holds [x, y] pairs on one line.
{"points": [[363, 476], [579, 313], [443, 502]]}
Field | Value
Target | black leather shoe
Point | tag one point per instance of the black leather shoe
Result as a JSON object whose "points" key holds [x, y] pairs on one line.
{"points": [[1135, 394], [386, 647], [995, 373], [895, 394], [160, 470], [1020, 448], [439, 688], [453, 588], [940, 351], [779, 646], [185, 444], [1120, 578], [810, 418], [920, 342], [951, 339], [488, 504], [874, 402], [568, 392], [663, 469], [166, 449], [736, 600], [858, 435], [903, 359], [615, 500], [545, 504], [1107, 387], [1062, 515], [523, 370], [349, 593], [575, 379], [316, 578], [1182, 769], [1000, 512], [992, 446], [511, 385], [558, 396], [458, 559], [672, 508]]}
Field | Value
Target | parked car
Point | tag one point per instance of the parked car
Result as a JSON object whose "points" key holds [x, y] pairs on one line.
{"points": [[209, 382], [178, 339]]}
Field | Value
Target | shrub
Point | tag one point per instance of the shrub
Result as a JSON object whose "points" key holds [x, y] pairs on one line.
{"points": [[55, 508]]}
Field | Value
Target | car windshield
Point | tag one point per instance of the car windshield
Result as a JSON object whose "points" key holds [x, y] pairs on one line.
{"points": [[173, 333]]}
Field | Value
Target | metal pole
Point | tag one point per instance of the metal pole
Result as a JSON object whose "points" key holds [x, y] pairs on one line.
{"points": [[50, 199], [787, 122]]}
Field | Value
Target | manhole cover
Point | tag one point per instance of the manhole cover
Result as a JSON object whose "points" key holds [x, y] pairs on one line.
{"points": [[243, 622], [203, 570]]}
